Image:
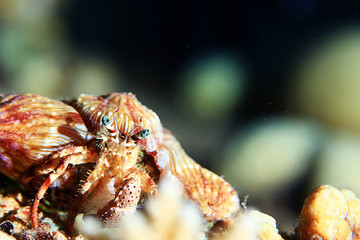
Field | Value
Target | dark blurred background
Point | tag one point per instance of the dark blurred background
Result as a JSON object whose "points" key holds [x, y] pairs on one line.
{"points": [[264, 92]]}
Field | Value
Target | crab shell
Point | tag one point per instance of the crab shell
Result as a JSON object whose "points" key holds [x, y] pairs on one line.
{"points": [[33, 128]]}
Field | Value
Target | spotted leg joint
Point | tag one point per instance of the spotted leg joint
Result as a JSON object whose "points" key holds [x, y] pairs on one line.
{"points": [[123, 205]]}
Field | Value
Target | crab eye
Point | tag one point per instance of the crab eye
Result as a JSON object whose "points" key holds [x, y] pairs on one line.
{"points": [[142, 134], [106, 121]]}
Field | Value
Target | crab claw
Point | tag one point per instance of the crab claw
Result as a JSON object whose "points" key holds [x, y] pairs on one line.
{"points": [[123, 205]]}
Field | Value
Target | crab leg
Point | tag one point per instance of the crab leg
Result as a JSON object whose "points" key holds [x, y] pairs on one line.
{"points": [[64, 162], [77, 206], [89, 185], [75, 158]]}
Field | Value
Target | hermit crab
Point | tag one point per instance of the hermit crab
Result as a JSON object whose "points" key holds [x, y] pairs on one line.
{"points": [[100, 155]]}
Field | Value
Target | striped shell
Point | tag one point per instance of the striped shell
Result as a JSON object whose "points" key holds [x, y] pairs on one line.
{"points": [[33, 127], [216, 198]]}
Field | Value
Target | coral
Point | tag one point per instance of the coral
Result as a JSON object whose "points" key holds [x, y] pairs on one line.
{"points": [[5, 236], [287, 145], [254, 225], [167, 216], [337, 162], [329, 213], [15, 212], [170, 216]]}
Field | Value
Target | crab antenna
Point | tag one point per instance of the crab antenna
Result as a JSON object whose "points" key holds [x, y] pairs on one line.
{"points": [[130, 133], [116, 127]]}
